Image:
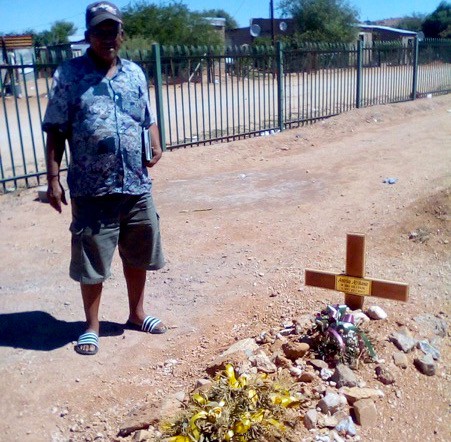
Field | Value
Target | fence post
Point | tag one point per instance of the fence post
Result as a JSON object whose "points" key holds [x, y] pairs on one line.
{"points": [[158, 82], [280, 88], [415, 68], [358, 91]]}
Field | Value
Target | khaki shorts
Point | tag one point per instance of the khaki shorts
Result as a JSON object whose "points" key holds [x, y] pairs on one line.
{"points": [[100, 224]]}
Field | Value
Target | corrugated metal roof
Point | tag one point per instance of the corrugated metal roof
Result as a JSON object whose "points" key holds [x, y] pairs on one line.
{"points": [[17, 41], [216, 21], [387, 28], [76, 38]]}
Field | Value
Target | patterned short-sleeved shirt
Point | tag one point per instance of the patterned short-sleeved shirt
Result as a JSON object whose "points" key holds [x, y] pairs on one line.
{"points": [[102, 119]]}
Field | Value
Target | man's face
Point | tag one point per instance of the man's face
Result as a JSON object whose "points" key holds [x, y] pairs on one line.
{"points": [[106, 39]]}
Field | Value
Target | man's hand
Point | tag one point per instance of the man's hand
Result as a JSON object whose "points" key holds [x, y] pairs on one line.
{"points": [[54, 153], [156, 155], [156, 147], [56, 194]]}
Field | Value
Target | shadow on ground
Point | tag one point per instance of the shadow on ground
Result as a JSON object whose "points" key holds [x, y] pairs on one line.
{"points": [[40, 331]]}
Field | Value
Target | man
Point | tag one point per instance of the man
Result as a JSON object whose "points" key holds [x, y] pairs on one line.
{"points": [[99, 104]]}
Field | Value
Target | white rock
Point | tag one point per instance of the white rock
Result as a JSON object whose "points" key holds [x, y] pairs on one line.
{"points": [[262, 362], [326, 373], [202, 383], [322, 438], [336, 437], [376, 312], [330, 403], [310, 419], [296, 372], [247, 345]]}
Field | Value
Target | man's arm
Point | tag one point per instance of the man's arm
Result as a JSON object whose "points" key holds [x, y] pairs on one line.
{"points": [[156, 146], [54, 155]]}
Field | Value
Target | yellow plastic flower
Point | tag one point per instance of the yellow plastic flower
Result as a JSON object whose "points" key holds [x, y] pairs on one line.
{"points": [[253, 396], [258, 416], [229, 435], [242, 426], [198, 398], [283, 399], [234, 383], [192, 424], [230, 373], [275, 423], [215, 411]]}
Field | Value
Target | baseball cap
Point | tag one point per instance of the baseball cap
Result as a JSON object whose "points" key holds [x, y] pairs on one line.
{"points": [[99, 11]]}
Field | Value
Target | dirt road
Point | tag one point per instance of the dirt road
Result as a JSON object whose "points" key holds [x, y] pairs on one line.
{"points": [[241, 222]]}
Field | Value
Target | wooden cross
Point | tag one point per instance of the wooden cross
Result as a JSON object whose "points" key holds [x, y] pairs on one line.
{"points": [[353, 282]]}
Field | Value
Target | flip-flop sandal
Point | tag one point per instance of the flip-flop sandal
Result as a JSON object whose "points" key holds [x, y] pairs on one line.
{"points": [[87, 338], [149, 325]]}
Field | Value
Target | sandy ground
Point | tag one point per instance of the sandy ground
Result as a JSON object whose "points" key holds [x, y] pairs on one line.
{"points": [[241, 222]]}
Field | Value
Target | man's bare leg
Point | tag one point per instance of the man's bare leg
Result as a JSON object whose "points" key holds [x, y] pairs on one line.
{"points": [[136, 283], [91, 294]]}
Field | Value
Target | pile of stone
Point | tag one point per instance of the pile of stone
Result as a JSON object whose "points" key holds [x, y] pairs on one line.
{"points": [[339, 400], [406, 343]]}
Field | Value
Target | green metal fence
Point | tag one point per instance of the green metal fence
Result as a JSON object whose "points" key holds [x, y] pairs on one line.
{"points": [[206, 95], [23, 96]]}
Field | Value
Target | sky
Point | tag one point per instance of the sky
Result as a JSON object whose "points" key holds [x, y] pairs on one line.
{"points": [[17, 16]]}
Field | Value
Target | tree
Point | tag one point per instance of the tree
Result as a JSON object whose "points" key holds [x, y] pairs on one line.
{"points": [[411, 23], [231, 23], [59, 33], [329, 21], [172, 24], [438, 24]]}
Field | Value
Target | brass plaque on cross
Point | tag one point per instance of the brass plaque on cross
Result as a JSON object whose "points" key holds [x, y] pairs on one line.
{"points": [[354, 286]]}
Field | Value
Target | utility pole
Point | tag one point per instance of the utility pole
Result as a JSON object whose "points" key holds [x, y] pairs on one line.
{"points": [[273, 34]]}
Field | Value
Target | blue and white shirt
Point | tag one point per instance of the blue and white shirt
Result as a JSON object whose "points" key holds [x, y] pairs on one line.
{"points": [[102, 119]]}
